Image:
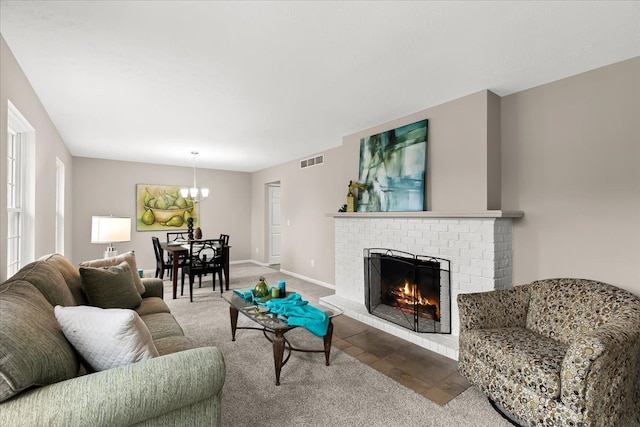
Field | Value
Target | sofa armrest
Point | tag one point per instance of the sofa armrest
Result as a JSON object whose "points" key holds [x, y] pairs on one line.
{"points": [[153, 287], [601, 363], [126, 395], [494, 309]]}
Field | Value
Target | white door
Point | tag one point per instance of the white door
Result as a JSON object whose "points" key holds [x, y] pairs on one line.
{"points": [[274, 224]]}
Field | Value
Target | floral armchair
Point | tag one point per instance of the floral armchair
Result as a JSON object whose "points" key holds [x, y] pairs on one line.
{"points": [[556, 352]]}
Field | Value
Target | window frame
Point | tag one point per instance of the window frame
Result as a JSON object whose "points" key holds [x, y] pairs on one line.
{"points": [[20, 196], [60, 201], [15, 223]]}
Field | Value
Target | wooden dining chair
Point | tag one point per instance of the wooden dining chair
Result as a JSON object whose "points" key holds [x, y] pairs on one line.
{"points": [[225, 239], [162, 264], [205, 256]]}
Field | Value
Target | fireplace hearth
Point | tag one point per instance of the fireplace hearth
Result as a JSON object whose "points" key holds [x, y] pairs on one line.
{"points": [[412, 291]]}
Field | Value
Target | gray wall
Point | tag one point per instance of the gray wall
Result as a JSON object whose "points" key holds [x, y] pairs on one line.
{"points": [[307, 195], [15, 87], [457, 172], [107, 187], [571, 162]]}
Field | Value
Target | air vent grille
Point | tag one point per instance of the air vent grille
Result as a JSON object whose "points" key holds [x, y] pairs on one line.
{"points": [[312, 161]]}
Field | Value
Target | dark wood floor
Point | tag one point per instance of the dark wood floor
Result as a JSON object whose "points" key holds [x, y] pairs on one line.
{"points": [[427, 373]]}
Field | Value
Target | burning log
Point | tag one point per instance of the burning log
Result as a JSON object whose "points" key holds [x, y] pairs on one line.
{"points": [[408, 299]]}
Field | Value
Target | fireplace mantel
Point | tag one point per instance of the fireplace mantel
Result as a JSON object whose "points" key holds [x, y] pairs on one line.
{"points": [[429, 214]]}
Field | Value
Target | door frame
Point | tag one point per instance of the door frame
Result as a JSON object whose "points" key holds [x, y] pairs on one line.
{"points": [[270, 257]]}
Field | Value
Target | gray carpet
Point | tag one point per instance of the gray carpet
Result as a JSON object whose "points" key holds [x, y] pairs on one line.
{"points": [[347, 393]]}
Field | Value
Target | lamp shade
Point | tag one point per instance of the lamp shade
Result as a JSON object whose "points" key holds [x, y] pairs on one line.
{"points": [[110, 229]]}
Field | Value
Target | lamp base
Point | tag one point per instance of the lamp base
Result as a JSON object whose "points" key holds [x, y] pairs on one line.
{"points": [[111, 252]]}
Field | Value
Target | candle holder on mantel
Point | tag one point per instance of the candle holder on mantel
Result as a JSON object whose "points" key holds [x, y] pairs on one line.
{"points": [[351, 198]]}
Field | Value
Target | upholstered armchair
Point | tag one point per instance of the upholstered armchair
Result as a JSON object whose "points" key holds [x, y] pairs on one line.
{"points": [[557, 352]]}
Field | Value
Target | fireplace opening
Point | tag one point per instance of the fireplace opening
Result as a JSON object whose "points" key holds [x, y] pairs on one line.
{"points": [[409, 290]]}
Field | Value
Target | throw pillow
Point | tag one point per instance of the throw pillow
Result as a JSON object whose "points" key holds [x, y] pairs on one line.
{"points": [[110, 287], [129, 257], [106, 338], [33, 350]]}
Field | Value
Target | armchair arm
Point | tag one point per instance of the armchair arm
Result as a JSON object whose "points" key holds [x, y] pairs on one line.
{"points": [[603, 362], [123, 396], [154, 287], [494, 309]]}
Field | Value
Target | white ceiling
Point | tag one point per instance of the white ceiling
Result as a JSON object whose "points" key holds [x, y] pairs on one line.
{"points": [[255, 84]]}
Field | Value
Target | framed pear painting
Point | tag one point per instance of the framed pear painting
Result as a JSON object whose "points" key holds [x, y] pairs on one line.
{"points": [[161, 207]]}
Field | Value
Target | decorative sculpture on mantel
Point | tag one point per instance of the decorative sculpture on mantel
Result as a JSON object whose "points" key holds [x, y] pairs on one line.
{"points": [[351, 198]]}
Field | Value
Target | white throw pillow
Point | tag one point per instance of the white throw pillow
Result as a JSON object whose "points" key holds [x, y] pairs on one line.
{"points": [[106, 338]]}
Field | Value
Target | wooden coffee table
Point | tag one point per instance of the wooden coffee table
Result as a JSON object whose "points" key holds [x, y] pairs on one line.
{"points": [[274, 328]]}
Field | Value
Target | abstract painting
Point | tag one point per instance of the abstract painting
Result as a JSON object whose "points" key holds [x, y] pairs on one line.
{"points": [[393, 169], [161, 207]]}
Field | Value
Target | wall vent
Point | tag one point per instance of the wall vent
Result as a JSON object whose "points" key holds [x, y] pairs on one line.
{"points": [[312, 161]]}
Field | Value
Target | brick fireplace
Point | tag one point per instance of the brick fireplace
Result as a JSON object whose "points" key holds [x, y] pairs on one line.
{"points": [[477, 244]]}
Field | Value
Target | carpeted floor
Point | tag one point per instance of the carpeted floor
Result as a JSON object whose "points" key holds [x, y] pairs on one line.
{"points": [[347, 393]]}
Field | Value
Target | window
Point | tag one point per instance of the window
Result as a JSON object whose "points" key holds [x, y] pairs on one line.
{"points": [[14, 203], [20, 191], [59, 206]]}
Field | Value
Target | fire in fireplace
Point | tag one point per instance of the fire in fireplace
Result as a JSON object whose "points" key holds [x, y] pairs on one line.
{"points": [[409, 290], [409, 299]]}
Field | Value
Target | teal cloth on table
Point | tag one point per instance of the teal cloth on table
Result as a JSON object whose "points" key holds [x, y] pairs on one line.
{"points": [[246, 294], [300, 313]]}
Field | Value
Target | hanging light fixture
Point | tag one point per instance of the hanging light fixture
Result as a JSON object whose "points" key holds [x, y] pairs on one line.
{"points": [[196, 194]]}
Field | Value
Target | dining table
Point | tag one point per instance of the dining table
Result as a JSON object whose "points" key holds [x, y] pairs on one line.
{"points": [[180, 250]]}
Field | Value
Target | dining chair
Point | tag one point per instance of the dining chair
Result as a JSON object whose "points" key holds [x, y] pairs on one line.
{"points": [[162, 264], [225, 239], [205, 256], [177, 235], [174, 236]]}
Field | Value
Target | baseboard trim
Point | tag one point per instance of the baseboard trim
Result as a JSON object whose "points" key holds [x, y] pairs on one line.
{"points": [[289, 273], [309, 279], [253, 261]]}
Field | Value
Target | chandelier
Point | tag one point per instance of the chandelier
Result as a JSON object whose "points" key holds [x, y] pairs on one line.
{"points": [[196, 194]]}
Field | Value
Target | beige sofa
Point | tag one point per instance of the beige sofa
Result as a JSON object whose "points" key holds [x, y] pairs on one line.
{"points": [[42, 381], [557, 352]]}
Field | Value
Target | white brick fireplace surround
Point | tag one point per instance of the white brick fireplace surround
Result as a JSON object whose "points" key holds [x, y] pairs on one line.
{"points": [[477, 244]]}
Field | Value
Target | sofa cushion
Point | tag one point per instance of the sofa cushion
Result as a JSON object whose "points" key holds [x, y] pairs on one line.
{"points": [[151, 305], [129, 257], [106, 338], [174, 344], [162, 325], [528, 358], [27, 318], [48, 280], [70, 273], [110, 287]]}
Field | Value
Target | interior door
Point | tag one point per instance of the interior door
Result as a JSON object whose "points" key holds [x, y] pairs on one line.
{"points": [[274, 224]]}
